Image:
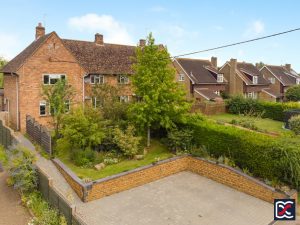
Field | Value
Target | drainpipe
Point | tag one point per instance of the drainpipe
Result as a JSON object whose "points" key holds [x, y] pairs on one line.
{"points": [[83, 89], [17, 87]]}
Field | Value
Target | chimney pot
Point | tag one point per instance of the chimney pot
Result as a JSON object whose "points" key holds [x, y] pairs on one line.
{"points": [[39, 31], [214, 62], [99, 39], [142, 42]]}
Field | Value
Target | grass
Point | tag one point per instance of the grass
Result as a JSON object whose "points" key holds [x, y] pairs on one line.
{"points": [[155, 152], [262, 123]]}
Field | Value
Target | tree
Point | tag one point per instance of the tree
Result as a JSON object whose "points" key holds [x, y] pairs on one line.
{"points": [[59, 97], [293, 93], [162, 100], [2, 63]]}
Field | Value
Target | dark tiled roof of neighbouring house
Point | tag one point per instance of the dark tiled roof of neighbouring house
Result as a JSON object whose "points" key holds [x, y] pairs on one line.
{"points": [[200, 71], [105, 59], [286, 78], [206, 93], [13, 65], [248, 69]]}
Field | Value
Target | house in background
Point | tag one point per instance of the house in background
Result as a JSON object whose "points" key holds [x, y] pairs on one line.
{"points": [[280, 78], [243, 79], [49, 58], [201, 78]]}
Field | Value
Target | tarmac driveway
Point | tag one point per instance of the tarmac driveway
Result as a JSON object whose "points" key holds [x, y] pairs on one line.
{"points": [[181, 199]]}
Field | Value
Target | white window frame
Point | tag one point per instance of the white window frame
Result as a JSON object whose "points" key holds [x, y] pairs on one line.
{"points": [[95, 105], [43, 103], [297, 81], [252, 95], [124, 98], [68, 104], [272, 80], [220, 78], [97, 79], [217, 92], [53, 77], [123, 79], [255, 79], [181, 77]]}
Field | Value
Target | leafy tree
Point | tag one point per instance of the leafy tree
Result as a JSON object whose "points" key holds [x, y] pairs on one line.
{"points": [[162, 99], [59, 97], [293, 93], [260, 65], [2, 63]]}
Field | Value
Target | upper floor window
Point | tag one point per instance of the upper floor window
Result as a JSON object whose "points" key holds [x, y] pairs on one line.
{"points": [[181, 77], [53, 78], [123, 79], [97, 79], [272, 80], [255, 79], [124, 98], [220, 78], [298, 81]]}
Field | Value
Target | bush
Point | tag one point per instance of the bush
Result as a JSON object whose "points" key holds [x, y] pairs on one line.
{"points": [[293, 93], [84, 158], [271, 110], [295, 124], [180, 140], [262, 155]]}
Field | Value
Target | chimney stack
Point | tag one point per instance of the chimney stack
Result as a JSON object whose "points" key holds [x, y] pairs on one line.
{"points": [[39, 31], [214, 62], [288, 67], [142, 42], [232, 77], [99, 39]]}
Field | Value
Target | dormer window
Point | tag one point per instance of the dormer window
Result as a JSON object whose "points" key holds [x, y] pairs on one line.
{"points": [[255, 79], [181, 77], [220, 78], [97, 79], [298, 81]]}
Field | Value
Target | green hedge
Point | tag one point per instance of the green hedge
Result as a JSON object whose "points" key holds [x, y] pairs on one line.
{"points": [[264, 156], [272, 110]]}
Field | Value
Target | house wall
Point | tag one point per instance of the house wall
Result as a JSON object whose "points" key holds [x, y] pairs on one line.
{"points": [[231, 89], [267, 74], [266, 97], [187, 84], [48, 59], [10, 93]]}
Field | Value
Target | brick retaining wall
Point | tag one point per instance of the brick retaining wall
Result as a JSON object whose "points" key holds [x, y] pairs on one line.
{"points": [[143, 175]]}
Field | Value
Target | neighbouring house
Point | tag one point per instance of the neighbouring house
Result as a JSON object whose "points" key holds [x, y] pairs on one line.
{"points": [[244, 79], [280, 78], [50, 58], [201, 78]]}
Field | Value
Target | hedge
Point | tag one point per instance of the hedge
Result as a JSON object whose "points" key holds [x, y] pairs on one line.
{"points": [[271, 110], [264, 156]]}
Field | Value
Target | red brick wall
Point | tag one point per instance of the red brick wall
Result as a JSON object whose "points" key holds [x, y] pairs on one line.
{"points": [[10, 93]]}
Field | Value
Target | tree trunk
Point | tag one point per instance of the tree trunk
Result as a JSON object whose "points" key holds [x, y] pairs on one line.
{"points": [[148, 137]]}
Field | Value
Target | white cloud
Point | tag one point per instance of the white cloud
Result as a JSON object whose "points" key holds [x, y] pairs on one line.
{"points": [[112, 30], [255, 28], [9, 44], [157, 9]]}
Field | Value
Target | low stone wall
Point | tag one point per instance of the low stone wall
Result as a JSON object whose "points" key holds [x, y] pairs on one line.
{"points": [[143, 175]]}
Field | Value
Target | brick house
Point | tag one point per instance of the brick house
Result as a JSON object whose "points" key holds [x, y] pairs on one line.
{"points": [[49, 58], [201, 78], [244, 79], [280, 78]]}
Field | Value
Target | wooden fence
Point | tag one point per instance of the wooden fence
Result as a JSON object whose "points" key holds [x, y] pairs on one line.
{"points": [[209, 108], [6, 138], [39, 134]]}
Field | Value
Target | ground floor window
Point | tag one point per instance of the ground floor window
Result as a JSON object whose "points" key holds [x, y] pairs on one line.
{"points": [[43, 108], [97, 102], [67, 106], [217, 92], [124, 98], [253, 95]]}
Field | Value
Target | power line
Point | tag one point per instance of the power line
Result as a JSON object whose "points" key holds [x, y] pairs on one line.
{"points": [[237, 43]]}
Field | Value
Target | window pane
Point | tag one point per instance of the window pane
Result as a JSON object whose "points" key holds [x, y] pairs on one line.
{"points": [[42, 108], [63, 77], [46, 79], [92, 79], [53, 80]]}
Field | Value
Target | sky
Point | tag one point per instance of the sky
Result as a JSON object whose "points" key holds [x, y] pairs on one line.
{"points": [[183, 26]]}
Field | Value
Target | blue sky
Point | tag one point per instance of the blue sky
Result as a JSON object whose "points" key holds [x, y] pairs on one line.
{"points": [[183, 26]]}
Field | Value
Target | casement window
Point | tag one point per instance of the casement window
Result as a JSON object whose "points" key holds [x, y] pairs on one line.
{"points": [[220, 78], [67, 106], [52, 78], [43, 108], [252, 95], [97, 102], [255, 79], [298, 81], [123, 79], [272, 80], [97, 79], [124, 98], [217, 92], [181, 77]]}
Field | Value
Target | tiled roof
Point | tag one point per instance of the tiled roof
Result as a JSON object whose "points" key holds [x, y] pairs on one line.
{"points": [[105, 59], [206, 93], [200, 71], [248, 70], [286, 78], [13, 65]]}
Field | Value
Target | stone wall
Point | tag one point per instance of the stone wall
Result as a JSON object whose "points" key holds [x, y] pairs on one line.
{"points": [[218, 172]]}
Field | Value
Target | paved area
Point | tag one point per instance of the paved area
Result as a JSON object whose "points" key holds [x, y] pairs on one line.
{"points": [[180, 199], [11, 210]]}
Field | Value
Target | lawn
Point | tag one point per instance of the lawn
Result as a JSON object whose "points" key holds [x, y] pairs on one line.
{"points": [[157, 151], [262, 123]]}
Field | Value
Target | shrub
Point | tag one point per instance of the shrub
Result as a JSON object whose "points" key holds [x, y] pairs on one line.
{"points": [[295, 124], [84, 158], [241, 105], [264, 156], [180, 140], [293, 93]]}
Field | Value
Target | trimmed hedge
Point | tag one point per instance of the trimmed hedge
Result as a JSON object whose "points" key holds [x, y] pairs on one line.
{"points": [[264, 156], [271, 110]]}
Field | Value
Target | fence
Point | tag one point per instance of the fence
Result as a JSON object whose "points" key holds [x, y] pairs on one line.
{"points": [[6, 138], [209, 108], [56, 200], [39, 134]]}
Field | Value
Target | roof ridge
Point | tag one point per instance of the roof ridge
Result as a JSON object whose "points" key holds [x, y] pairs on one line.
{"points": [[207, 60], [92, 42]]}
